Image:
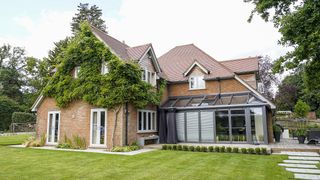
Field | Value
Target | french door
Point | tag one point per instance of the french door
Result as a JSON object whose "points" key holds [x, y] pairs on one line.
{"points": [[53, 129], [98, 128]]}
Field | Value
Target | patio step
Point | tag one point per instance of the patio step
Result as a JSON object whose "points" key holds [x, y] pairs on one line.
{"points": [[306, 176], [312, 166], [311, 154], [304, 158], [299, 170], [300, 162]]}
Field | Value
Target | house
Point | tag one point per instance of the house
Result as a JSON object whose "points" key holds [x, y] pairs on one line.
{"points": [[205, 101]]}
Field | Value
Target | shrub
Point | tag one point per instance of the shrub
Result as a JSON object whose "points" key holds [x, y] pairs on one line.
{"points": [[210, 149], [64, 146], [185, 147], [23, 117], [235, 150], [244, 150], [216, 149], [164, 147], [33, 142], [79, 142], [198, 149], [179, 147], [257, 150], [263, 150], [222, 149], [7, 107], [229, 149], [203, 149], [250, 150], [169, 147], [125, 148], [174, 147], [191, 148]]}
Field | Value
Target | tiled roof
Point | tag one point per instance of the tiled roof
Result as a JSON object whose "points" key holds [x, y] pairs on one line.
{"points": [[249, 64], [121, 49], [175, 62]]}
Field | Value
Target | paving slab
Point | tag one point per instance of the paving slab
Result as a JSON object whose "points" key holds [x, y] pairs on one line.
{"points": [[300, 170], [311, 166], [300, 162], [304, 158], [312, 154], [306, 176]]}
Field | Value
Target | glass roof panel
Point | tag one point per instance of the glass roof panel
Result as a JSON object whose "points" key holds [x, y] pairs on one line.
{"points": [[195, 101], [169, 103], [224, 100], [182, 102], [239, 99], [208, 101]]}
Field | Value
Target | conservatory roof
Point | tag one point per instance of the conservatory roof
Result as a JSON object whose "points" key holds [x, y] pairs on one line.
{"points": [[213, 101]]}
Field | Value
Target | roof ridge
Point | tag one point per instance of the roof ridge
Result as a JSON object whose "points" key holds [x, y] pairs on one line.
{"points": [[214, 60], [228, 60], [148, 44], [109, 35]]}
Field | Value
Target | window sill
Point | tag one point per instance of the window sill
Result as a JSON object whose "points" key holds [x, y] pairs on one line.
{"points": [[197, 89], [145, 132]]}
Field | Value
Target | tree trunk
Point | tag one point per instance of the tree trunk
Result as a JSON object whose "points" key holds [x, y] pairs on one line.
{"points": [[116, 111]]}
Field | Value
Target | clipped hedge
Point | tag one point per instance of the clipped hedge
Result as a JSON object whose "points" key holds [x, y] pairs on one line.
{"points": [[223, 149], [23, 117]]}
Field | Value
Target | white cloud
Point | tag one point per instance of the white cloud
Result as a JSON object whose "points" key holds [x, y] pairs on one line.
{"points": [[218, 27], [51, 26]]}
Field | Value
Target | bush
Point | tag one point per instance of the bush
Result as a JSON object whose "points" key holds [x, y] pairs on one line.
{"points": [[185, 147], [229, 149], [257, 150], [216, 149], [169, 147], [191, 148], [204, 149], [250, 150], [164, 147], [64, 146], [210, 149], [174, 147], [125, 148], [198, 149], [179, 147], [222, 149], [244, 150], [7, 107], [33, 142], [23, 117], [263, 150], [301, 109], [79, 142], [235, 150]]}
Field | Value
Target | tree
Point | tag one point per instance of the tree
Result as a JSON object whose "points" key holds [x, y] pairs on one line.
{"points": [[268, 79], [301, 109], [7, 107], [122, 85], [91, 14]]}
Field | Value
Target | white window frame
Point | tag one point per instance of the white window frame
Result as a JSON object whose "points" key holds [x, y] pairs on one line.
{"points": [[76, 71], [145, 77], [196, 82], [147, 117], [104, 68], [99, 110], [48, 123], [260, 87]]}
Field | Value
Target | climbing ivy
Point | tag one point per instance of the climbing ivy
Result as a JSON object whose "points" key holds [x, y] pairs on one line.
{"points": [[121, 85]]}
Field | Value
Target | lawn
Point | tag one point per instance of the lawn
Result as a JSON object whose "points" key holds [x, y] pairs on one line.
{"points": [[21, 163]]}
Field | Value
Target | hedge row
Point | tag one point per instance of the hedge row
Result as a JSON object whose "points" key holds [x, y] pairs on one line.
{"points": [[23, 117], [257, 150]]}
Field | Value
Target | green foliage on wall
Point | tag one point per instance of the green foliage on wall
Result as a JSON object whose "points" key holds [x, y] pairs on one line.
{"points": [[121, 85]]}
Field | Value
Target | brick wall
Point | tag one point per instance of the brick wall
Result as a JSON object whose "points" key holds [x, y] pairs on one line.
{"points": [[250, 79]]}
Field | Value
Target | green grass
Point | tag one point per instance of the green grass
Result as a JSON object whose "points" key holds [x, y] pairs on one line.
{"points": [[16, 139], [21, 163]]}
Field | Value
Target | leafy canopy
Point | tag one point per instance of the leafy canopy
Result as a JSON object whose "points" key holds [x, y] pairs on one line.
{"points": [[301, 109], [121, 85]]}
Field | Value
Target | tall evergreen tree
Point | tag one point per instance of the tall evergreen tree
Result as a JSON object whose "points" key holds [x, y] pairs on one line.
{"points": [[91, 14]]}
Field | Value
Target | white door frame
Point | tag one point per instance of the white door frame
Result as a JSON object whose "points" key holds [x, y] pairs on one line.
{"points": [[99, 110], [53, 123]]}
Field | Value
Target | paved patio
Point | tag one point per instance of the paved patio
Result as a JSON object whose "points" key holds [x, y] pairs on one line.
{"points": [[283, 145]]}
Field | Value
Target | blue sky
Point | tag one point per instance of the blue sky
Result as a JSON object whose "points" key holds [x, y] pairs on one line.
{"points": [[218, 27]]}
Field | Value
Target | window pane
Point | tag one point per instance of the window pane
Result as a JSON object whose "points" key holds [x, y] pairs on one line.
{"points": [[201, 82], [238, 123], [192, 83], [154, 122], [140, 120], [50, 127], [143, 75], [256, 125], [94, 127], [149, 121], [56, 128], [207, 126], [144, 120], [149, 77], [180, 126], [102, 127], [192, 127], [222, 126]]}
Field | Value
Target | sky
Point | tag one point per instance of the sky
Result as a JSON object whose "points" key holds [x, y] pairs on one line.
{"points": [[220, 28]]}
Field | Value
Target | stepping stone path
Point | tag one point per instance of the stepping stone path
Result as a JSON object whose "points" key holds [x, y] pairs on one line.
{"points": [[302, 164]]}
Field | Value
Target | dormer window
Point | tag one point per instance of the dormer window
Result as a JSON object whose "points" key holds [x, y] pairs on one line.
{"points": [[149, 77], [197, 82], [104, 68], [76, 72]]}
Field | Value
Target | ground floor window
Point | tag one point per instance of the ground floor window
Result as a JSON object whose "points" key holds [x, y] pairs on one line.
{"points": [[222, 125], [53, 127], [147, 121]]}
